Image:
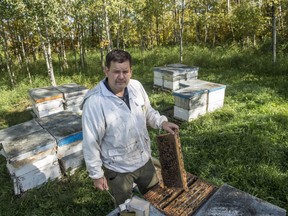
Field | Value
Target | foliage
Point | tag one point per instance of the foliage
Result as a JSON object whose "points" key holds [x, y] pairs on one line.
{"points": [[244, 144]]}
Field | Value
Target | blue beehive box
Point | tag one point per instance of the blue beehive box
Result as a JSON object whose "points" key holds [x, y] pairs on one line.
{"points": [[65, 127]]}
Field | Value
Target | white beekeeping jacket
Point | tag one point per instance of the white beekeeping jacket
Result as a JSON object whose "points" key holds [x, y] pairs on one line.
{"points": [[114, 135]]}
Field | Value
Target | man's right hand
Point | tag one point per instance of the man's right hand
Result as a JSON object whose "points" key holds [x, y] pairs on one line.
{"points": [[101, 184]]}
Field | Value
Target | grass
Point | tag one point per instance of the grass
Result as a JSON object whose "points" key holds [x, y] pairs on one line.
{"points": [[244, 144]]}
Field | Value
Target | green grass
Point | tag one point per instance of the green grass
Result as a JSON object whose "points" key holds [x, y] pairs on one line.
{"points": [[244, 144]]}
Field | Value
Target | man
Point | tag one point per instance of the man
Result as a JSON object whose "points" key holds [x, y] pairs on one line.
{"points": [[116, 144]]}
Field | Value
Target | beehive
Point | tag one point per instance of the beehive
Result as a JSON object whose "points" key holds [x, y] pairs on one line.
{"points": [[216, 92], [170, 76], [73, 95], [66, 128], [46, 101], [190, 102], [71, 162], [25, 143], [34, 174]]}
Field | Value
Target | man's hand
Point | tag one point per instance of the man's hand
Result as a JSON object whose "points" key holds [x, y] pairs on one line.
{"points": [[101, 184], [169, 127]]}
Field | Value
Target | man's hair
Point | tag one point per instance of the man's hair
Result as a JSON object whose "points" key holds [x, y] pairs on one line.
{"points": [[119, 56]]}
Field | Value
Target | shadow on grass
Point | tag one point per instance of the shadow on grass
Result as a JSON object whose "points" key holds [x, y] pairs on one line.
{"points": [[8, 119], [70, 195]]}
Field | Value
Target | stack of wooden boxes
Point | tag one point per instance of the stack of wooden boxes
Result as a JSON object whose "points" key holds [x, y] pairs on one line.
{"points": [[73, 95], [46, 101], [66, 128], [49, 100], [193, 97], [50, 145], [31, 157], [196, 98], [169, 77]]}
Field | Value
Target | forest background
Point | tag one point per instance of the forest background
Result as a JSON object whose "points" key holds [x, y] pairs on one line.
{"points": [[240, 43]]}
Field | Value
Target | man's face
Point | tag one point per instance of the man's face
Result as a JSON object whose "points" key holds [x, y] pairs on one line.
{"points": [[118, 75]]}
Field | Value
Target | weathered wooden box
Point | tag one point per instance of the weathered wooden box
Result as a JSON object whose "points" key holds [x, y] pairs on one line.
{"points": [[216, 92], [73, 96], [189, 103], [65, 150], [170, 76], [65, 127], [25, 143], [46, 101], [47, 108], [71, 162], [34, 174]]}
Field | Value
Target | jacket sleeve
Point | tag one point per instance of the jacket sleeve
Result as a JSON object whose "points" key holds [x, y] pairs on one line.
{"points": [[93, 128]]}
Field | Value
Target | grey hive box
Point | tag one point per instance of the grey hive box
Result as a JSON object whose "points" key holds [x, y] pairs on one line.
{"points": [[228, 200], [170, 76], [46, 101], [26, 142], [25, 149], [216, 92], [71, 162], [190, 102], [73, 96], [34, 174], [65, 127]]}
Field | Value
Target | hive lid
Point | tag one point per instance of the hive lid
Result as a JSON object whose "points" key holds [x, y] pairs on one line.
{"points": [[61, 118], [176, 69], [210, 86], [72, 90], [25, 146], [189, 92], [39, 95]]}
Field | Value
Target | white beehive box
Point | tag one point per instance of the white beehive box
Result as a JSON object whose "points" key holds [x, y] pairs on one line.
{"points": [[34, 174], [26, 142], [170, 76], [65, 150], [46, 101], [73, 96], [70, 163], [190, 102], [66, 128], [216, 92]]}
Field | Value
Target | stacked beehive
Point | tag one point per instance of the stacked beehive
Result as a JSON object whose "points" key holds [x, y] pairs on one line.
{"points": [[193, 97], [66, 128], [169, 76], [50, 100], [46, 101], [30, 152], [73, 95], [196, 98]]}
